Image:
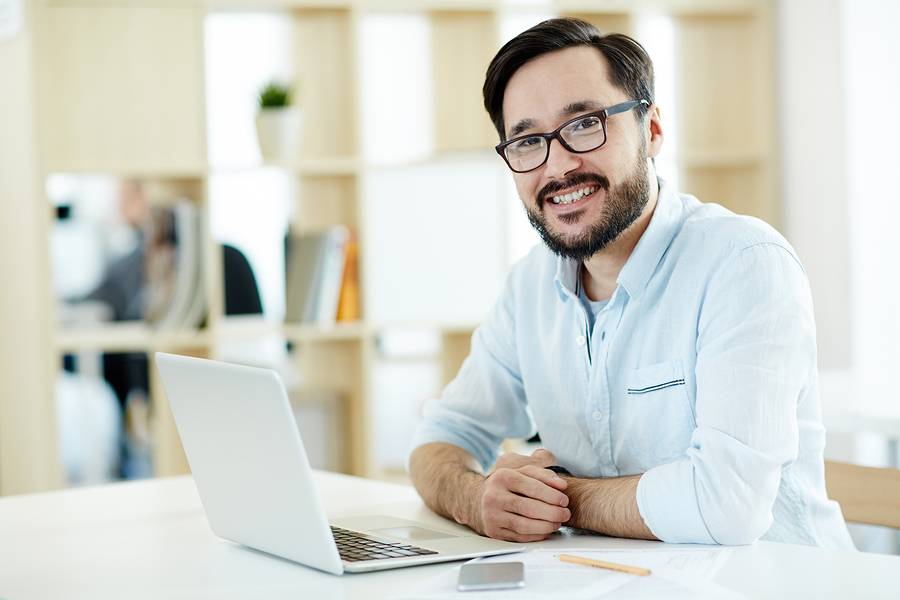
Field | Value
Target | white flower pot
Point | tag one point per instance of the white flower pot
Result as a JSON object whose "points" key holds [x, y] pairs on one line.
{"points": [[278, 133]]}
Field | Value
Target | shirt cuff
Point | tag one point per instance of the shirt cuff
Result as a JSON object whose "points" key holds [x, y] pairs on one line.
{"points": [[667, 501], [427, 433]]}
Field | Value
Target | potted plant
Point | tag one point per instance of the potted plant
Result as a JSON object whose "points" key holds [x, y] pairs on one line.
{"points": [[277, 124]]}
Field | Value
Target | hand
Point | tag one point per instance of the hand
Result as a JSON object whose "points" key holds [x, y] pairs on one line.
{"points": [[523, 504], [540, 457]]}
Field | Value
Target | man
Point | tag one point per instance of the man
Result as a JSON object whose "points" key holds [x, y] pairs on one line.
{"points": [[663, 348]]}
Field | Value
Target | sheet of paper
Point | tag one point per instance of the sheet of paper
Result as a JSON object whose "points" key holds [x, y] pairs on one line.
{"points": [[676, 572]]}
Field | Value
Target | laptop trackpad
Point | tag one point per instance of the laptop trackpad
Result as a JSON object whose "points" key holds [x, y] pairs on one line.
{"points": [[412, 533]]}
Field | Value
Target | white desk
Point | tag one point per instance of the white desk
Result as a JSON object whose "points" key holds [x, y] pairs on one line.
{"points": [[150, 540]]}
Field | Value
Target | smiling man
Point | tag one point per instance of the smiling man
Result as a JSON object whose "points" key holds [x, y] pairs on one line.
{"points": [[664, 348]]}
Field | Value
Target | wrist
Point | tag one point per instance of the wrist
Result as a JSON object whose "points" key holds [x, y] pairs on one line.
{"points": [[466, 510], [581, 501]]}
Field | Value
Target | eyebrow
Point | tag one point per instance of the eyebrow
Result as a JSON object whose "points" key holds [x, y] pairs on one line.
{"points": [[567, 111]]}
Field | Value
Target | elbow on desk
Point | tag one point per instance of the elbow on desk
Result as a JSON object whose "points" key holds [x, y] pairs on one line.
{"points": [[739, 521]]}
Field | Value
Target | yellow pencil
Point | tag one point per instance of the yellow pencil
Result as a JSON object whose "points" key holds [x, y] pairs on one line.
{"points": [[602, 564]]}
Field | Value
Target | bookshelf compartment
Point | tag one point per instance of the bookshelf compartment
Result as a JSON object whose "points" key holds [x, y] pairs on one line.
{"points": [[741, 189], [325, 55], [463, 44], [611, 22], [324, 201], [455, 347], [98, 111], [336, 366], [723, 92]]}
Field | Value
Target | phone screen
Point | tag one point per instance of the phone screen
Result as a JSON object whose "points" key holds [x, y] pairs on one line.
{"points": [[491, 576]]}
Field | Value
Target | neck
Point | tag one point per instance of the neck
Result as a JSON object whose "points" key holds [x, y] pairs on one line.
{"points": [[601, 271]]}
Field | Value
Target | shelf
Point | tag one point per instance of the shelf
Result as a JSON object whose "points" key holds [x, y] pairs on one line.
{"points": [[727, 7], [375, 5], [700, 159], [237, 328], [244, 327], [162, 172], [299, 333], [128, 337], [672, 7], [274, 4], [339, 166], [140, 337]]}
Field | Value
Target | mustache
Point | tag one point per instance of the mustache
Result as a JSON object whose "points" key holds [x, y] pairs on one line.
{"points": [[577, 179]]}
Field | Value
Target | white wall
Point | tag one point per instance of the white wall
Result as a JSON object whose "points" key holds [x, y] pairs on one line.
{"points": [[814, 164], [840, 85], [872, 97]]}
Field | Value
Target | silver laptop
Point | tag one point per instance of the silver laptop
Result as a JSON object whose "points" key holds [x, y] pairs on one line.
{"points": [[257, 487]]}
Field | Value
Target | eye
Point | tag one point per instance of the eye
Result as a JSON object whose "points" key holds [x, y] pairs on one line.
{"points": [[526, 144], [586, 124]]}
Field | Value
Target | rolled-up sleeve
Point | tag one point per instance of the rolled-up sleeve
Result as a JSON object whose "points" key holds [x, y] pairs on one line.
{"points": [[485, 403], [756, 352]]}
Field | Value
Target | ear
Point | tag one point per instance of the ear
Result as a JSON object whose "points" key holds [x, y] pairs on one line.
{"points": [[653, 131]]}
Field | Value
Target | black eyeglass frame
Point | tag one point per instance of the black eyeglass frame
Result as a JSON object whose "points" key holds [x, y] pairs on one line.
{"points": [[603, 114]]}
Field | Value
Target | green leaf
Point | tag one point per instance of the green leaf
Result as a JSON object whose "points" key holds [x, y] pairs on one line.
{"points": [[275, 95]]}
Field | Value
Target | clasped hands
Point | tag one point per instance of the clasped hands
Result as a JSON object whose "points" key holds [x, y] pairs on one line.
{"points": [[521, 500]]}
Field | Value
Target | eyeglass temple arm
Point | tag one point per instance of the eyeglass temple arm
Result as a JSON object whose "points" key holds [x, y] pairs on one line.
{"points": [[625, 106]]}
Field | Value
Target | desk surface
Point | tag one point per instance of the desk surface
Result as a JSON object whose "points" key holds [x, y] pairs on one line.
{"points": [[150, 539]]}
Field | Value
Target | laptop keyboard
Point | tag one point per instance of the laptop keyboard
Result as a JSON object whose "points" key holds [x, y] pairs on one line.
{"points": [[354, 546]]}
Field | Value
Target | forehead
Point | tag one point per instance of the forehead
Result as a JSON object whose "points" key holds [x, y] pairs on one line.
{"points": [[542, 87]]}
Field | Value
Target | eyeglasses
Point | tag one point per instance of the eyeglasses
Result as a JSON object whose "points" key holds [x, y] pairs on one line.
{"points": [[582, 134]]}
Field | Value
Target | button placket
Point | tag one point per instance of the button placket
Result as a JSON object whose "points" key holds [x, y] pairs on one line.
{"points": [[600, 407], [609, 328]]}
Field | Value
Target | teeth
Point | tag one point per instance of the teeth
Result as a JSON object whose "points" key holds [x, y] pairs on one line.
{"points": [[572, 196]]}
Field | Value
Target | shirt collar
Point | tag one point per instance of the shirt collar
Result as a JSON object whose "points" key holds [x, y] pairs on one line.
{"points": [[646, 255]]}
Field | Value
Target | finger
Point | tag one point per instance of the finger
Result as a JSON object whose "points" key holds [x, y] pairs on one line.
{"points": [[536, 509], [531, 487], [526, 481], [545, 476], [526, 526], [513, 536], [511, 460], [544, 457]]}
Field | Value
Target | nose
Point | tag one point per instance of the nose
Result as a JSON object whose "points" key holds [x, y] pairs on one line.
{"points": [[560, 162]]}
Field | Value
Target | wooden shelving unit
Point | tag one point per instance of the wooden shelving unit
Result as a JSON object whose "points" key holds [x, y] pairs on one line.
{"points": [[97, 115]]}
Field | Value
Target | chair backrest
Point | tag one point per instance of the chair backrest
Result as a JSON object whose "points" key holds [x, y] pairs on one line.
{"points": [[866, 494]]}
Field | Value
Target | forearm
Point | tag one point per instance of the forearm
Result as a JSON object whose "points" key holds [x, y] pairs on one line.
{"points": [[607, 506], [447, 478]]}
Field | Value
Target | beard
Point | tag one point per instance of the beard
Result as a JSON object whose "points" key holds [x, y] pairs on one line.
{"points": [[624, 204]]}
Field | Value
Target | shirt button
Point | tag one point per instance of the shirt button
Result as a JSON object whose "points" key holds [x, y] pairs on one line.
{"points": [[597, 415], [582, 340]]}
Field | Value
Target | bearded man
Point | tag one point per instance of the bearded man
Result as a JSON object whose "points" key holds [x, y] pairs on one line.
{"points": [[663, 348]]}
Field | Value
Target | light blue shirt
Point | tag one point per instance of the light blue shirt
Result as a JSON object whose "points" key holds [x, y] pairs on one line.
{"points": [[699, 373]]}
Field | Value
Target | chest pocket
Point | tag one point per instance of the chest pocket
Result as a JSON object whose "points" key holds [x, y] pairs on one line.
{"points": [[654, 420]]}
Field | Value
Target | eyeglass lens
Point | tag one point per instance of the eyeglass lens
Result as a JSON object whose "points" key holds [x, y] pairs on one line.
{"points": [[583, 135]]}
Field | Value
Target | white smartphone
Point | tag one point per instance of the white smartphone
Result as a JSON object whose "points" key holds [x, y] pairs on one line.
{"points": [[491, 576]]}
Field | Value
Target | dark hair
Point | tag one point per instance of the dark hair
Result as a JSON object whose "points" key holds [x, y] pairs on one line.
{"points": [[630, 66]]}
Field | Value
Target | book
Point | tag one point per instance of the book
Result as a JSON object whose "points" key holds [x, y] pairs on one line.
{"points": [[314, 268], [348, 304], [176, 297]]}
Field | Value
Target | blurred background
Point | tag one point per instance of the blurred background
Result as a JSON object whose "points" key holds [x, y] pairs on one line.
{"points": [[311, 186]]}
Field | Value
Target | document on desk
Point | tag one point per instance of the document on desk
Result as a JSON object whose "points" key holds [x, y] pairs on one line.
{"points": [[676, 573]]}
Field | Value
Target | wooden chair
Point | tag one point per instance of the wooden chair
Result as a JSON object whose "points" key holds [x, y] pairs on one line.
{"points": [[866, 494]]}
